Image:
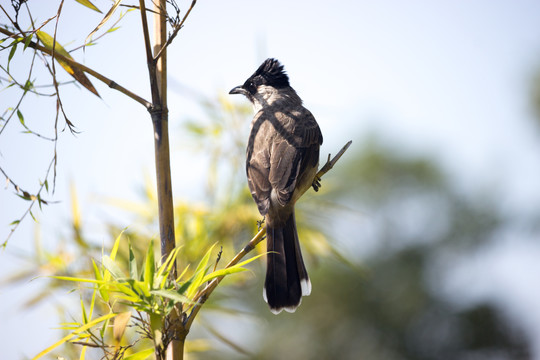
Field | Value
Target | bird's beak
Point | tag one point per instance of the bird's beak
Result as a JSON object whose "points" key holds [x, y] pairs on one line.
{"points": [[238, 90]]}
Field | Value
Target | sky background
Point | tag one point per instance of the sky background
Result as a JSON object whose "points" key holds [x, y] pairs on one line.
{"points": [[449, 79]]}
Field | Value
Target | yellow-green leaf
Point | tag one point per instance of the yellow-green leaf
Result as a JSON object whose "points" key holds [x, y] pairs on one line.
{"points": [[200, 272], [105, 19], [150, 267], [74, 333], [89, 5], [140, 355], [223, 272], [49, 43]]}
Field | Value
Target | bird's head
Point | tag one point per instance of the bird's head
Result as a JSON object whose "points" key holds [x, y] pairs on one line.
{"points": [[269, 77]]}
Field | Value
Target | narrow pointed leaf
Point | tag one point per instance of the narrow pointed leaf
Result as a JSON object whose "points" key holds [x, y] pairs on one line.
{"points": [[150, 267], [199, 273], [223, 272], [48, 41], [74, 333], [113, 268], [105, 19], [141, 355], [89, 5], [133, 273], [173, 295]]}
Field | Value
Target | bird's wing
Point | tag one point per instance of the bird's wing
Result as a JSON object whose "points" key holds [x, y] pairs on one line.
{"points": [[294, 148], [258, 163]]}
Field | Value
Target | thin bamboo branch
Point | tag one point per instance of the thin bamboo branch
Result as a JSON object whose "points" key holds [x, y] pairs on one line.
{"points": [[110, 83], [175, 32], [149, 58]]}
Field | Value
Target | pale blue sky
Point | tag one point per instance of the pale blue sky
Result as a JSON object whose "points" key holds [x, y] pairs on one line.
{"points": [[450, 79]]}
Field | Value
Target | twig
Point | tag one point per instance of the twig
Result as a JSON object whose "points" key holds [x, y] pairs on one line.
{"points": [[175, 32], [330, 163], [149, 58]]}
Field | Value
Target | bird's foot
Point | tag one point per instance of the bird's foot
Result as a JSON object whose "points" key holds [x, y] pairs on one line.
{"points": [[260, 224], [316, 183]]}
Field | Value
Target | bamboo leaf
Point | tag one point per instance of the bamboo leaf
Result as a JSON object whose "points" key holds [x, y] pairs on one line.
{"points": [[89, 5], [116, 245], [74, 279], [74, 333], [150, 267], [200, 272], [21, 118], [223, 272], [140, 355], [156, 323], [119, 326], [113, 268], [133, 273], [173, 295], [48, 41], [12, 52], [99, 276], [27, 41], [105, 19]]}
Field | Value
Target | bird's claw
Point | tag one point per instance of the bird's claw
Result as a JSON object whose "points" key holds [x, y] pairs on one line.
{"points": [[260, 224], [316, 183]]}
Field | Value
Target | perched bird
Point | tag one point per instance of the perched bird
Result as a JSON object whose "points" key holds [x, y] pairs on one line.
{"points": [[282, 161]]}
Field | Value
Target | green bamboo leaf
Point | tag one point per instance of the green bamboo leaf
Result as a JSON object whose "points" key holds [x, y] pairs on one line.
{"points": [[75, 279], [156, 323], [140, 355], [150, 267], [133, 273], [84, 316], [74, 333], [12, 51], [223, 272], [113, 268], [21, 118], [140, 288], [116, 245], [99, 276], [166, 267], [89, 5], [173, 295], [182, 274], [27, 41], [93, 302], [200, 272]]}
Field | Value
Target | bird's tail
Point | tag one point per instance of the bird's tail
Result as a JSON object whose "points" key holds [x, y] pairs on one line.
{"points": [[286, 276]]}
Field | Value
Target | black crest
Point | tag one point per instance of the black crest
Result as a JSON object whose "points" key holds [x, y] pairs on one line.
{"points": [[270, 73]]}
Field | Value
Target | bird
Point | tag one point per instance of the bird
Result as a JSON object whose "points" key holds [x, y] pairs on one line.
{"points": [[282, 158]]}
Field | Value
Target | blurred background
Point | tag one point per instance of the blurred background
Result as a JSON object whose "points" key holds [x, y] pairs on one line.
{"points": [[424, 240]]}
